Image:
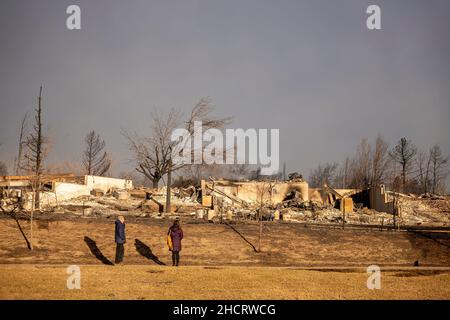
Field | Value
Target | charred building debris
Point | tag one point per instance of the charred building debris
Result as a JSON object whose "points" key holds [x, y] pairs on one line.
{"points": [[289, 200]]}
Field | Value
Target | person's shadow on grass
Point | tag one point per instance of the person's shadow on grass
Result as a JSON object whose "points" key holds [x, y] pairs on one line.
{"points": [[96, 251], [146, 252]]}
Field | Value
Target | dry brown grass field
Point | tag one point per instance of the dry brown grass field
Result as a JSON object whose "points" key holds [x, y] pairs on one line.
{"points": [[219, 262], [160, 282]]}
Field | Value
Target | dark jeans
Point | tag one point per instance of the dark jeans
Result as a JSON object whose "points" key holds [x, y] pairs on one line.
{"points": [[175, 258], [119, 252]]}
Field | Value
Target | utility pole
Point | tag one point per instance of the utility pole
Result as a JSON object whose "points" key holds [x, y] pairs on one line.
{"points": [[169, 183]]}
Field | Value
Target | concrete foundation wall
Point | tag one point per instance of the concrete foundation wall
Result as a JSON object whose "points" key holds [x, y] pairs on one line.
{"points": [[379, 200], [346, 205], [106, 184], [65, 191], [251, 191]]}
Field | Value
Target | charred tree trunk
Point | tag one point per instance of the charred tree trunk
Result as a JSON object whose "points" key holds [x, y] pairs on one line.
{"points": [[35, 145]]}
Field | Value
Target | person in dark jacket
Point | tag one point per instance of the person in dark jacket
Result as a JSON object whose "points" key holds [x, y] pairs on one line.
{"points": [[176, 234], [120, 239]]}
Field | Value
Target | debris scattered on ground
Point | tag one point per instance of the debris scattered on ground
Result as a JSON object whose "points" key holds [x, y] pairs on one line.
{"points": [[214, 200]]}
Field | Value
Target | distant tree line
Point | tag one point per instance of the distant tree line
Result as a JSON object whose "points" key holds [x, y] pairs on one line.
{"points": [[402, 168]]}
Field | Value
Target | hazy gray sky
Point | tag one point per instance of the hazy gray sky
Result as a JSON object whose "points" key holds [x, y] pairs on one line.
{"points": [[310, 68]]}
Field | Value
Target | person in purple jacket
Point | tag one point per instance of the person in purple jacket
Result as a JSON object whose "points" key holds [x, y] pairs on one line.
{"points": [[176, 234]]}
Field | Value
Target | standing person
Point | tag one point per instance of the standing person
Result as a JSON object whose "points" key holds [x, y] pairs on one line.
{"points": [[120, 239], [176, 234]]}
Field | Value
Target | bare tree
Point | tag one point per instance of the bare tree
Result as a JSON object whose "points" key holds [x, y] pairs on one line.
{"points": [[380, 161], [153, 154], [369, 166], [323, 174], [438, 167], [342, 178], [202, 111], [95, 161], [35, 142], [361, 165], [36, 151], [403, 153], [423, 163]]}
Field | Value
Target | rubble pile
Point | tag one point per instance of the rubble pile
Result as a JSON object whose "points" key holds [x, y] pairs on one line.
{"points": [[425, 210], [139, 202], [217, 200]]}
